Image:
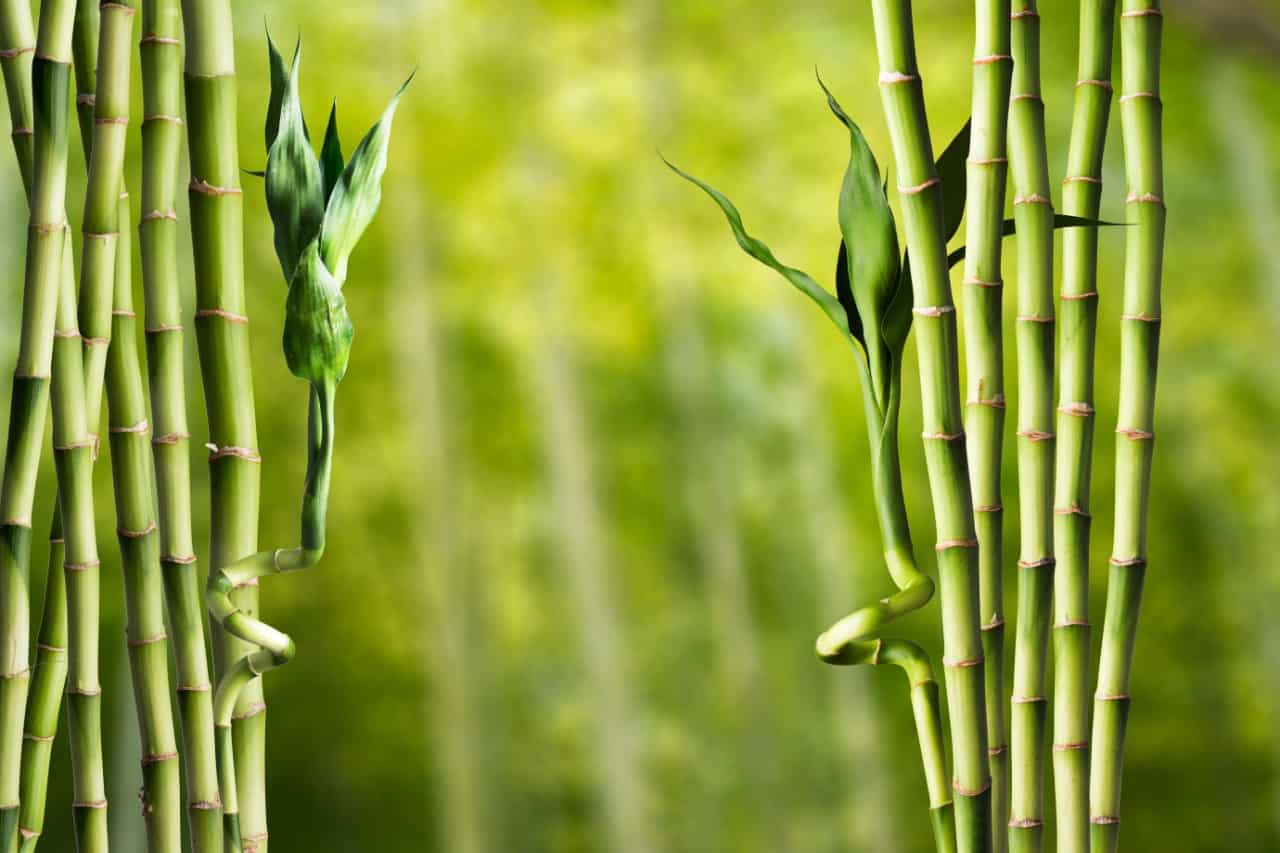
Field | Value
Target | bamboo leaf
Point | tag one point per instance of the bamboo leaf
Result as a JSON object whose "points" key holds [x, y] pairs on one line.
{"points": [[844, 292], [331, 153], [357, 193], [317, 328], [295, 187], [1060, 220], [762, 253], [279, 71], [951, 170]]}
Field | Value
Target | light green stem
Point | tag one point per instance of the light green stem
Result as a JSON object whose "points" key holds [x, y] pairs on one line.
{"points": [[983, 286], [1077, 330], [935, 321], [1033, 213], [17, 51], [1140, 117]]}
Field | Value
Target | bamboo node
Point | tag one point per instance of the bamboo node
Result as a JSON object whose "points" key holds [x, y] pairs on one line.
{"points": [[116, 7], [1037, 563], [27, 834], [1141, 318], [246, 453], [947, 544], [996, 402], [48, 648], [84, 691], [1144, 198], [152, 38], [919, 188], [16, 522], [178, 559], [1082, 179], [942, 436], [89, 804], [15, 52], [1128, 561], [1035, 435], [48, 227], [1111, 697], [140, 426], [57, 540], [1104, 820], [1141, 13], [933, 310], [75, 445], [205, 188], [962, 664], [193, 688], [1026, 96], [1032, 198], [992, 59], [1136, 434], [967, 792], [889, 78], [987, 161], [86, 99], [1133, 96], [1026, 700], [1074, 509], [136, 534], [1073, 623], [157, 757], [23, 131], [1024, 13], [997, 750], [206, 805], [22, 673], [1079, 410], [66, 333], [1101, 84], [171, 438], [252, 710], [229, 316], [158, 214], [118, 120], [172, 119], [1068, 747], [37, 738], [977, 282], [1034, 318], [164, 327], [123, 312], [1025, 823], [989, 508], [996, 622], [83, 566]]}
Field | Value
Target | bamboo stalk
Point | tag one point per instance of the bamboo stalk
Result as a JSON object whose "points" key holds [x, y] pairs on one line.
{"points": [[1077, 330], [17, 51], [1033, 214], [921, 191], [161, 50], [46, 243], [223, 339], [134, 477], [983, 286], [1140, 116]]}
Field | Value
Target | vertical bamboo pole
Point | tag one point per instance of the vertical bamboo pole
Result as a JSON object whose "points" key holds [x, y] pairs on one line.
{"points": [[983, 286], [1077, 330], [1141, 23], [223, 338], [957, 546], [17, 51]]}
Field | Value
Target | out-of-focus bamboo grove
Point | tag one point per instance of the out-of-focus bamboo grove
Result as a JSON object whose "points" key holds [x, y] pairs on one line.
{"points": [[604, 478]]}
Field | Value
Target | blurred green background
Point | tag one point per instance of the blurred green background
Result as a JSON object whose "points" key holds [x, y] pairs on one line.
{"points": [[602, 479]]}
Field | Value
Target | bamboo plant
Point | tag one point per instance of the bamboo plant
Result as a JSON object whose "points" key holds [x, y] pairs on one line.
{"points": [[982, 288], [320, 208], [1077, 329], [161, 50], [1140, 117]]}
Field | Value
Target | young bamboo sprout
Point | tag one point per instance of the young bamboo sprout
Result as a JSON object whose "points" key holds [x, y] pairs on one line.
{"points": [[158, 232], [1033, 212], [47, 243], [922, 194], [320, 209], [871, 309], [983, 285], [1140, 117], [1077, 326]]}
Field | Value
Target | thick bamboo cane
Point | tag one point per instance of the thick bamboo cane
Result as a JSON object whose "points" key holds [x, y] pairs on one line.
{"points": [[1140, 116]]}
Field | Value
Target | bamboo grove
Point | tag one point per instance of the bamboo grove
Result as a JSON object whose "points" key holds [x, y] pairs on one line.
{"points": [[79, 342], [988, 794]]}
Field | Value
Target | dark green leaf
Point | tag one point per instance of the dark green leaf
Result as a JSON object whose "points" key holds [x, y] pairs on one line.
{"points": [[279, 83], [897, 318], [1060, 220], [357, 193], [331, 153], [317, 328], [295, 188], [844, 292], [762, 253], [951, 170]]}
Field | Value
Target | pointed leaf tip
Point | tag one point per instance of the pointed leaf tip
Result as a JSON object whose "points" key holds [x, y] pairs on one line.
{"points": [[951, 168]]}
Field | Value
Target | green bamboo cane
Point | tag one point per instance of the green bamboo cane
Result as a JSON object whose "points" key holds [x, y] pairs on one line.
{"points": [[161, 50], [1140, 116], [47, 241], [134, 477], [84, 49], [223, 338], [1077, 329], [922, 205], [1033, 213], [17, 51], [987, 170]]}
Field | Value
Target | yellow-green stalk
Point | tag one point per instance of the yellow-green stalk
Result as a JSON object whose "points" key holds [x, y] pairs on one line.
{"points": [[982, 288], [957, 545], [1077, 330], [1140, 118], [17, 51], [161, 48], [1033, 214], [47, 241]]}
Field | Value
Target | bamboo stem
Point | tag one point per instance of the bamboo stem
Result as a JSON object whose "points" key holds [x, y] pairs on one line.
{"points": [[983, 286], [903, 99], [223, 339], [161, 50], [46, 243], [1140, 116], [17, 51], [1077, 331], [1033, 213]]}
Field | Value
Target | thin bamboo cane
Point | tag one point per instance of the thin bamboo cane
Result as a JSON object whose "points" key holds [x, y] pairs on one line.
{"points": [[1140, 116], [46, 244], [134, 477], [223, 339], [1077, 329], [983, 286], [921, 191], [161, 50], [1033, 213], [17, 51]]}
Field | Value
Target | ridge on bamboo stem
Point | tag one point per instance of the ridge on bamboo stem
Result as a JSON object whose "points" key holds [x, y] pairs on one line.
{"points": [[320, 208]]}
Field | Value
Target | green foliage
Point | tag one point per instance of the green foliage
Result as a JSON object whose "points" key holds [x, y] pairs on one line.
{"points": [[295, 185], [317, 327]]}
